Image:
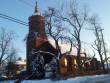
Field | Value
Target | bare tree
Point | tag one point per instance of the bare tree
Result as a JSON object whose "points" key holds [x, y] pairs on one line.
{"points": [[105, 50], [12, 56], [76, 20], [53, 26], [55, 30], [98, 43], [5, 45], [11, 59]]}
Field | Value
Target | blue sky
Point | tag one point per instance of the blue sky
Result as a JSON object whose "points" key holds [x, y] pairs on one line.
{"points": [[20, 10]]}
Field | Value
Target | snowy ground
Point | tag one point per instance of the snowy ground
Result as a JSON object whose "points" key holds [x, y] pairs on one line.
{"points": [[84, 79]]}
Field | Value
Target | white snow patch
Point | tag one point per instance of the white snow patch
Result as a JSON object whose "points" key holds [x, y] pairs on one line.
{"points": [[20, 62], [80, 79]]}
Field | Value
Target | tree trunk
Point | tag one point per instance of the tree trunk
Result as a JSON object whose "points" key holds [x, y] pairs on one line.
{"points": [[58, 69], [78, 58], [58, 54], [102, 63]]}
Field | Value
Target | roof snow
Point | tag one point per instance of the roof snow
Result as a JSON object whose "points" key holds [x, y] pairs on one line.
{"points": [[19, 62]]}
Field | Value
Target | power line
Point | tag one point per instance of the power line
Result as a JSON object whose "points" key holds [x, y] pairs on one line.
{"points": [[26, 3], [13, 19]]}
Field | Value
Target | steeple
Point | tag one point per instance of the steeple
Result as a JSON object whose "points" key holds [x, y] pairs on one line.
{"points": [[37, 10]]}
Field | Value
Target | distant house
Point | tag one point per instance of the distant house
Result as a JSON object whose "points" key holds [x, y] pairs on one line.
{"points": [[20, 65]]}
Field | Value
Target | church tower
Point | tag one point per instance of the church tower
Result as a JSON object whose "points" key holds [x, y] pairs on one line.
{"points": [[36, 35]]}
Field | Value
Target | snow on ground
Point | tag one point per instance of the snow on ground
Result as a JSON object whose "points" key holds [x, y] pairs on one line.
{"points": [[80, 79]]}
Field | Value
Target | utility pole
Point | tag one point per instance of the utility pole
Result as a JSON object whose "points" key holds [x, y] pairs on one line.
{"points": [[104, 49]]}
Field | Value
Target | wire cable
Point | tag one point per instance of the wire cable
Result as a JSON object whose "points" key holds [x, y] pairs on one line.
{"points": [[26, 3], [13, 19]]}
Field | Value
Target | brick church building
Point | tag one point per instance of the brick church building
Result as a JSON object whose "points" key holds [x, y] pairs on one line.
{"points": [[37, 41]]}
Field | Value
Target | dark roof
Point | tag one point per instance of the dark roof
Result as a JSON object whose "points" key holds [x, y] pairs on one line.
{"points": [[47, 47]]}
